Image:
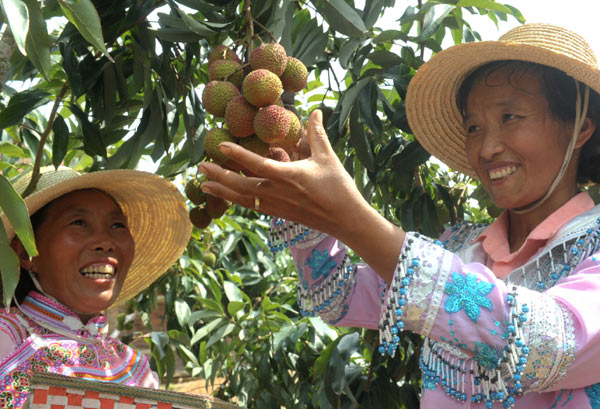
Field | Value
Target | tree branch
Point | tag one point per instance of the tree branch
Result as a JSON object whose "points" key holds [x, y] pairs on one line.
{"points": [[35, 176]]}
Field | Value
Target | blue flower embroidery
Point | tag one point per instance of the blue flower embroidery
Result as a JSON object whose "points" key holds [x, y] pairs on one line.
{"points": [[469, 294], [320, 263], [593, 392], [486, 355]]}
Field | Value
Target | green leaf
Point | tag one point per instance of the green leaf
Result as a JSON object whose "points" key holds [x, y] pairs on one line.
{"points": [[484, 4], [358, 139], [84, 16], [13, 206], [411, 156], [196, 26], [341, 17], [207, 329], [20, 105], [349, 99], [232, 292], [175, 35], [220, 333], [15, 11], [60, 142], [161, 341], [385, 59], [390, 36], [431, 25], [234, 306], [8, 149], [9, 266], [182, 312], [37, 43], [92, 138]]}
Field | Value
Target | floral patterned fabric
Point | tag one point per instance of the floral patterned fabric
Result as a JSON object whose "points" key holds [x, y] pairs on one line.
{"points": [[491, 343], [37, 349]]}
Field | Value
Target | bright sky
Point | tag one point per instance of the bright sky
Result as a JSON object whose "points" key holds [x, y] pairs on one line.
{"points": [[581, 16]]}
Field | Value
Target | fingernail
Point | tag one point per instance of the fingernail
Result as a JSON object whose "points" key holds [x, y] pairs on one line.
{"points": [[205, 188], [202, 169], [225, 147]]}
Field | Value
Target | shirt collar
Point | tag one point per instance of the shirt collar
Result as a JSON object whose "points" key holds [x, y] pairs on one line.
{"points": [[50, 313], [494, 238]]}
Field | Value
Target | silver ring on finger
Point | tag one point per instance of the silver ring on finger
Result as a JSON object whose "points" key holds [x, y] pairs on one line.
{"points": [[256, 203]]}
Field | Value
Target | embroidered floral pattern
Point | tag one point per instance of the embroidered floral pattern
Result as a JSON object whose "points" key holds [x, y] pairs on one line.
{"points": [[465, 292], [486, 355], [321, 264], [6, 400], [593, 392]]}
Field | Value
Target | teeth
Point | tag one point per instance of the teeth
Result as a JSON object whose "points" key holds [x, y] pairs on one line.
{"points": [[498, 174], [98, 275], [105, 269]]}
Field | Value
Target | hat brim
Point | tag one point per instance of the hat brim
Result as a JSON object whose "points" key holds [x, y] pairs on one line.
{"points": [[156, 214], [431, 97]]}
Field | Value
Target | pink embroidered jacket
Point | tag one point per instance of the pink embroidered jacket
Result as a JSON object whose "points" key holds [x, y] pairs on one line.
{"points": [[28, 346], [529, 340]]}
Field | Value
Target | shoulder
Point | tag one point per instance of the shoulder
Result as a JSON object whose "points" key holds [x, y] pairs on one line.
{"points": [[12, 332], [11, 327], [460, 235]]}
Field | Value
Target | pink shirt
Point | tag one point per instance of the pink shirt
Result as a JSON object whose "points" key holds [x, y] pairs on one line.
{"points": [[547, 303]]}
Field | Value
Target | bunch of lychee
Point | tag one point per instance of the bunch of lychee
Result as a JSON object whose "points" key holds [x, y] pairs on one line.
{"points": [[247, 101]]}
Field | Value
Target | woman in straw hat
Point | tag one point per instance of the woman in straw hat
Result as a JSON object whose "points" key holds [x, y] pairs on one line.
{"points": [[99, 245], [510, 311]]}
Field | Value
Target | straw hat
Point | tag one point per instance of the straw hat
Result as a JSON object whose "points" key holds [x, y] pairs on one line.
{"points": [[431, 99], [155, 210]]}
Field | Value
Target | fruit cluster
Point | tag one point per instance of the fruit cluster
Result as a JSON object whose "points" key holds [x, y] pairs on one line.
{"points": [[207, 207], [254, 114], [246, 99]]}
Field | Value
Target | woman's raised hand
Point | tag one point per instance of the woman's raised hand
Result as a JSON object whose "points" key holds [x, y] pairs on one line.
{"points": [[316, 191]]}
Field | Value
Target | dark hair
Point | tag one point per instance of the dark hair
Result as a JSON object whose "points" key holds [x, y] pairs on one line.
{"points": [[560, 92]]}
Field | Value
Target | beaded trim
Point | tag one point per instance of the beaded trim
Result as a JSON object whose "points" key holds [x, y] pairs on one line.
{"points": [[327, 298], [390, 323], [284, 234], [557, 262]]}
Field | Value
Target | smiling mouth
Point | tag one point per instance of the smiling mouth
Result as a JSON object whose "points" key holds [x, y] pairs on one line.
{"points": [[496, 174], [105, 271]]}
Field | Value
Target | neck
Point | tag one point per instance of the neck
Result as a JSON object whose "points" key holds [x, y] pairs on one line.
{"points": [[520, 225]]}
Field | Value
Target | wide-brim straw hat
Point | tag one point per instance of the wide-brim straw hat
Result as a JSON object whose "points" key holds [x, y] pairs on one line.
{"points": [[431, 106], [156, 215]]}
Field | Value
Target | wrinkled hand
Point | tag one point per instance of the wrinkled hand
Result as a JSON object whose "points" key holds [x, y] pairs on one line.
{"points": [[315, 191]]}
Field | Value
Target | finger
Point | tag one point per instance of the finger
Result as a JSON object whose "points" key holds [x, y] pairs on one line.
{"points": [[256, 164], [216, 189], [318, 140], [233, 181]]}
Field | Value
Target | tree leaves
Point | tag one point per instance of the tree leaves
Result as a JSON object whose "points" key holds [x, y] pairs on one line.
{"points": [[15, 11], [83, 15], [37, 43], [341, 17], [20, 105]]}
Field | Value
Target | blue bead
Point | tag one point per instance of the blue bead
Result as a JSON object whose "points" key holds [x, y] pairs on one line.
{"points": [[523, 360], [518, 385], [346, 276], [489, 405], [525, 350], [410, 271], [525, 308], [405, 281], [510, 299], [519, 342], [402, 302], [394, 330], [402, 291], [511, 328], [381, 349], [398, 312], [396, 339], [391, 349], [554, 276], [540, 285], [400, 324], [517, 377], [574, 251], [523, 317], [566, 267], [416, 262]]}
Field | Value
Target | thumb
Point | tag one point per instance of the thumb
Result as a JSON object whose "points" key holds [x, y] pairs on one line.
{"points": [[317, 136]]}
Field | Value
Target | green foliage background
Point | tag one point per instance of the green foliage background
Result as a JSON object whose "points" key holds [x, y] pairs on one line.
{"points": [[101, 84]]}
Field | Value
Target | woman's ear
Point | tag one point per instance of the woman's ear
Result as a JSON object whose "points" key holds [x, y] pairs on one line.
{"points": [[586, 132], [24, 259]]}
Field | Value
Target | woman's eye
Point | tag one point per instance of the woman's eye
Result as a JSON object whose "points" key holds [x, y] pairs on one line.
{"points": [[119, 225], [472, 128], [508, 117], [78, 222]]}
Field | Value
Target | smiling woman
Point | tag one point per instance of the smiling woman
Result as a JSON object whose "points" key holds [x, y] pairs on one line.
{"points": [[97, 243], [510, 310]]}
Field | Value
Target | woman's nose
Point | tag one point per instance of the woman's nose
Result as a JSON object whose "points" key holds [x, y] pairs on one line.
{"points": [[103, 241], [491, 143]]}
